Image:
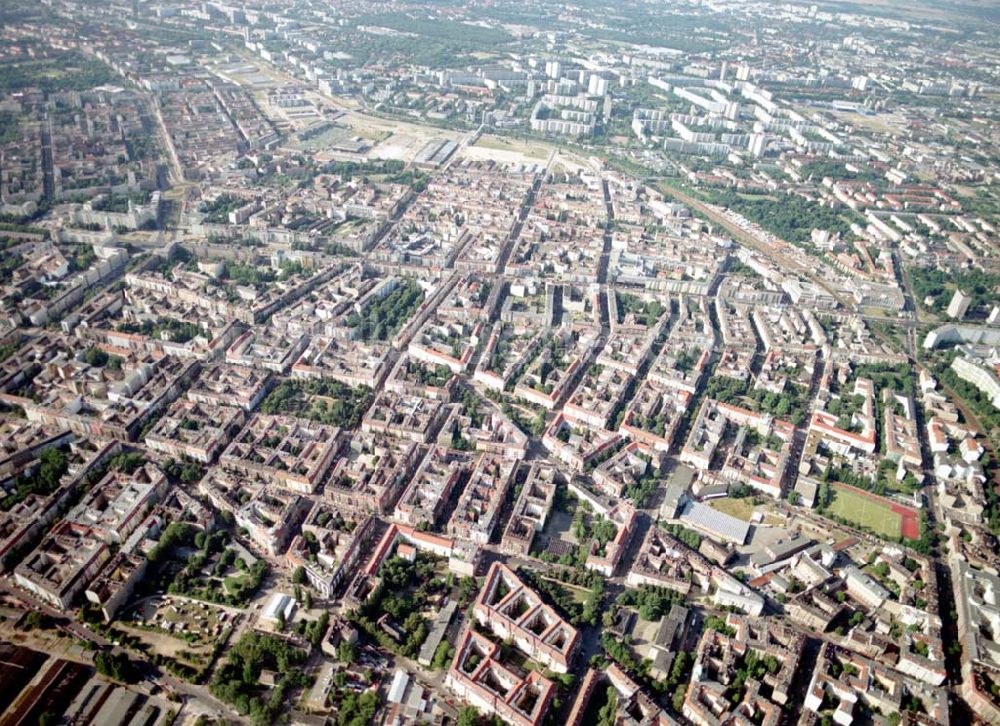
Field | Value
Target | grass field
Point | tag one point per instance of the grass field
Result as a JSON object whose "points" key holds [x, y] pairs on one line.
{"points": [[866, 511], [579, 594], [739, 508]]}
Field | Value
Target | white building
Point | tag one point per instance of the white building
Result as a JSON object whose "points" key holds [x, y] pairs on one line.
{"points": [[980, 374], [959, 305]]}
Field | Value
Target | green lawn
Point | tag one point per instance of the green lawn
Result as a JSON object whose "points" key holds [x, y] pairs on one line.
{"points": [[741, 508], [861, 510]]}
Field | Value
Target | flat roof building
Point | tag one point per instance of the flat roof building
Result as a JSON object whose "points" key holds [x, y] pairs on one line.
{"points": [[715, 523]]}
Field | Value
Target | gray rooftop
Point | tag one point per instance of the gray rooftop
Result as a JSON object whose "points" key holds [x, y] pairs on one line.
{"points": [[714, 522], [438, 629], [780, 550]]}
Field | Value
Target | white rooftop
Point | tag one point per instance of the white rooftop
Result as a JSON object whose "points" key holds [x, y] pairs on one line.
{"points": [[279, 603]]}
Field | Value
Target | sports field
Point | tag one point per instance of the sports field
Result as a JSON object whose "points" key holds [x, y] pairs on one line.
{"points": [[877, 514]]}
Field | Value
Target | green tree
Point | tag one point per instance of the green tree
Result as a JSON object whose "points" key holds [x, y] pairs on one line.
{"points": [[677, 700], [443, 655], [94, 356], [116, 666], [715, 622], [33, 620], [357, 710], [538, 424], [346, 652], [608, 714], [468, 716]]}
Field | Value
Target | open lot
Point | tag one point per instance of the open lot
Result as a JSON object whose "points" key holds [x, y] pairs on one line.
{"points": [[331, 136], [177, 627], [507, 150], [393, 138], [248, 74], [557, 536]]}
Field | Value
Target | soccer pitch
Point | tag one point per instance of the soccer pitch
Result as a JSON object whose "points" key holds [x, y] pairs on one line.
{"points": [[866, 511]]}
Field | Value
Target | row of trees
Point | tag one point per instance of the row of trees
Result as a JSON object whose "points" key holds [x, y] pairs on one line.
{"points": [[688, 536], [9, 127], [116, 666]]}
